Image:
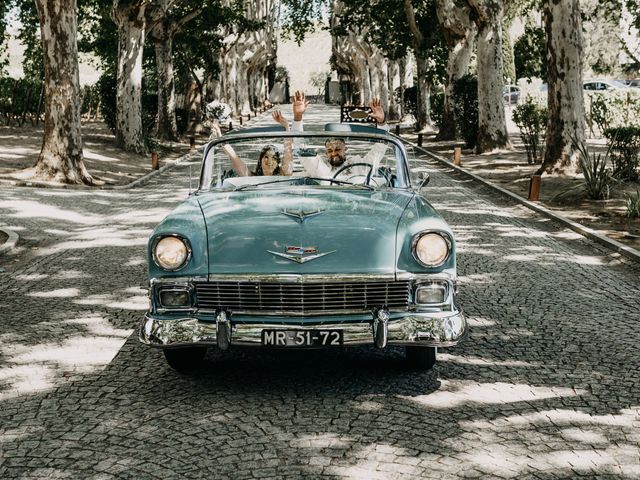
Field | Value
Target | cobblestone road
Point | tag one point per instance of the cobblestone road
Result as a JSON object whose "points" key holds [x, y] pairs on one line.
{"points": [[546, 386]]}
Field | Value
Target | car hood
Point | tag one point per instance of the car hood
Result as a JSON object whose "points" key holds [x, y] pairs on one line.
{"points": [[355, 231]]}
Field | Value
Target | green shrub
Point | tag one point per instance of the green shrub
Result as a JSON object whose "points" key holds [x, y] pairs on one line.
{"points": [[624, 143], [437, 108], [182, 117], [465, 98], [633, 205], [409, 100], [531, 119], [20, 99], [90, 100], [106, 87], [597, 177], [613, 109]]}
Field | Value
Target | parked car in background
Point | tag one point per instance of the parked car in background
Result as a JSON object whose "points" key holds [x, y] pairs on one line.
{"points": [[602, 85], [354, 257], [511, 94]]}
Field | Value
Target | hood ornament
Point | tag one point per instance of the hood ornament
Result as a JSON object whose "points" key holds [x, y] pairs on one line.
{"points": [[301, 254], [301, 215]]}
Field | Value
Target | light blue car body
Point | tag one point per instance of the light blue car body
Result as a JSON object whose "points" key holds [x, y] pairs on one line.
{"points": [[363, 235]]}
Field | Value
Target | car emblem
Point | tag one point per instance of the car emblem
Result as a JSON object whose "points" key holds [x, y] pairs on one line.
{"points": [[301, 215], [300, 254]]}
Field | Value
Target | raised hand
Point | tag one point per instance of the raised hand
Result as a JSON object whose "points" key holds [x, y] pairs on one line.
{"points": [[215, 130], [279, 118], [377, 113], [299, 105]]}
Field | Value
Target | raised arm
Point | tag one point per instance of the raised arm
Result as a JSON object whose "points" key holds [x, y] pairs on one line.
{"points": [[286, 167], [377, 152], [299, 106], [237, 163], [378, 114]]}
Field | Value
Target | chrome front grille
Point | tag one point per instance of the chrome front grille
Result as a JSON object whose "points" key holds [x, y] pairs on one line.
{"points": [[302, 298]]}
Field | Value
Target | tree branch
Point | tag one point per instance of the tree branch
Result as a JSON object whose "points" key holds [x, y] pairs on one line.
{"points": [[187, 18], [416, 34]]}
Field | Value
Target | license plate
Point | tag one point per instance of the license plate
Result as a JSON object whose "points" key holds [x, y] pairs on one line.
{"points": [[302, 338]]}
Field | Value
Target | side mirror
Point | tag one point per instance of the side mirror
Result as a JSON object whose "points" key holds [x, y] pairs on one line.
{"points": [[424, 180]]}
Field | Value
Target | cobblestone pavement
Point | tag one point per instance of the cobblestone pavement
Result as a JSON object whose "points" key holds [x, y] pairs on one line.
{"points": [[546, 386]]}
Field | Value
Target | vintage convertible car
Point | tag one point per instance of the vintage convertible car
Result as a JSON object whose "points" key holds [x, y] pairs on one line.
{"points": [[359, 257]]}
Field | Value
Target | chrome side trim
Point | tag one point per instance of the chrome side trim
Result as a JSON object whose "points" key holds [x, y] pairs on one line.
{"points": [[176, 280], [292, 313], [294, 278], [437, 329]]}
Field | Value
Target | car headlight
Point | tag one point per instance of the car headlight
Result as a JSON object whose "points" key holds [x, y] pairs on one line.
{"points": [[431, 249], [171, 252]]}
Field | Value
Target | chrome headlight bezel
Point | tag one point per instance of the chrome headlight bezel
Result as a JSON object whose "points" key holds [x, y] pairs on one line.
{"points": [[162, 288], [187, 246], [414, 244]]}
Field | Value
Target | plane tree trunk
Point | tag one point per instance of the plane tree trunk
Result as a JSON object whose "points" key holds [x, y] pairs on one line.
{"points": [[129, 18], [492, 128], [423, 113], [459, 32], [565, 96], [61, 156], [166, 125]]}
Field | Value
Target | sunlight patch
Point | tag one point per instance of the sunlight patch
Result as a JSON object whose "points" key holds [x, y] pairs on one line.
{"points": [[79, 351], [476, 279], [468, 360], [34, 368], [480, 322], [588, 260], [29, 209], [31, 277], [321, 440], [140, 303], [71, 275], [60, 293], [85, 244], [456, 393]]}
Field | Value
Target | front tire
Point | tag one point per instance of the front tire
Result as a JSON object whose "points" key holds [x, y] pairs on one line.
{"points": [[421, 358], [186, 358]]}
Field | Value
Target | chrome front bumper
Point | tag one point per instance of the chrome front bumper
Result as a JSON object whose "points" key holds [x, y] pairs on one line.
{"points": [[437, 329]]}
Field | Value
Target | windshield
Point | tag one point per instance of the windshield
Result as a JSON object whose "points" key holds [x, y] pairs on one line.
{"points": [[328, 160]]}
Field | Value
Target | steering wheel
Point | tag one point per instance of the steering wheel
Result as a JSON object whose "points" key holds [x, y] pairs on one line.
{"points": [[383, 171]]}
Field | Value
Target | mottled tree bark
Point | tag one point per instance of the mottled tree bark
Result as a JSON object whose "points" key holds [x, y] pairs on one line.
{"points": [[423, 114], [166, 126], [393, 81], [247, 55], [164, 25], [459, 32], [61, 156], [193, 105], [565, 96], [492, 128], [129, 17]]}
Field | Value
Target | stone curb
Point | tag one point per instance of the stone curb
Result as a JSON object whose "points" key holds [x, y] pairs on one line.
{"points": [[614, 245], [11, 241]]}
